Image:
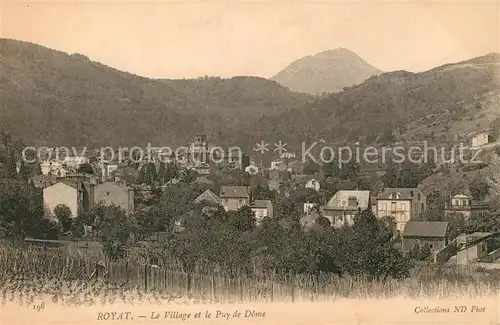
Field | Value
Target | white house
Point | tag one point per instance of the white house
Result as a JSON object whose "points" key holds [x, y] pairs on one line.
{"points": [[480, 139], [262, 209], [252, 170], [313, 183]]}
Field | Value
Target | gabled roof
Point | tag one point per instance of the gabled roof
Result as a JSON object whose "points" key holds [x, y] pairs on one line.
{"points": [[260, 204], [65, 182], [341, 200], [234, 191], [208, 196], [425, 229], [402, 193]]}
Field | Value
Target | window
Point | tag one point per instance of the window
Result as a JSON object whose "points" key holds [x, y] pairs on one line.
{"points": [[431, 246], [419, 196], [423, 206], [384, 206], [402, 206], [393, 206], [411, 193]]}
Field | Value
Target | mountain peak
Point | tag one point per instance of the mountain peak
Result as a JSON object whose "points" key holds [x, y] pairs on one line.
{"points": [[341, 51], [327, 71]]}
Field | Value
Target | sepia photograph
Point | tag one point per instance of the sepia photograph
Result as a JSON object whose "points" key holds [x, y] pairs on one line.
{"points": [[260, 162]]}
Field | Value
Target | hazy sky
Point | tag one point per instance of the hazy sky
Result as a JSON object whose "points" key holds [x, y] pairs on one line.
{"points": [[188, 39]]}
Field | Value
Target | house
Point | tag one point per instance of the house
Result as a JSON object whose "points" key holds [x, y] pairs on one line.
{"points": [[465, 205], [344, 205], [43, 181], [111, 193], [73, 194], [278, 164], [480, 139], [208, 196], [472, 247], [234, 197], [313, 184], [252, 169], [420, 233], [402, 204], [262, 209]]}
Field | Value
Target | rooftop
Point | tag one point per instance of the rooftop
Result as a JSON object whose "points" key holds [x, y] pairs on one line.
{"points": [[260, 204], [341, 200], [401, 193], [234, 191], [425, 229]]}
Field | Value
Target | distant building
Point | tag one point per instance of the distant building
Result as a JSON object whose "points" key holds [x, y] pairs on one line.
{"points": [[75, 161], [480, 139], [344, 205], [235, 197], [472, 247], [278, 164], [53, 168], [198, 151], [111, 193], [108, 170], [465, 205], [262, 209], [208, 196], [252, 170], [420, 233], [310, 208], [402, 204]]}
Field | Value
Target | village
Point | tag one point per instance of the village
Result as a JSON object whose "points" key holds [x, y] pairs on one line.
{"points": [[81, 183]]}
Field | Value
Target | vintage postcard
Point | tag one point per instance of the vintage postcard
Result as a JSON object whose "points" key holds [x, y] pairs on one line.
{"points": [[249, 162]]}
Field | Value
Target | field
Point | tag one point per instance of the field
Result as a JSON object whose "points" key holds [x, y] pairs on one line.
{"points": [[81, 279]]}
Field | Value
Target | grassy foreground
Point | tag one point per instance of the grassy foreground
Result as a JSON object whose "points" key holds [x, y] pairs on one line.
{"points": [[29, 274]]}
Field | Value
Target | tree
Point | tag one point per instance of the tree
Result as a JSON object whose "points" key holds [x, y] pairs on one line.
{"points": [[21, 210], [161, 173], [149, 172], [368, 248], [85, 168], [243, 219], [189, 176], [114, 229], [63, 214], [479, 189]]}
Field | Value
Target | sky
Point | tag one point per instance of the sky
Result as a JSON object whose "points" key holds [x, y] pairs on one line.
{"points": [[185, 39]]}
